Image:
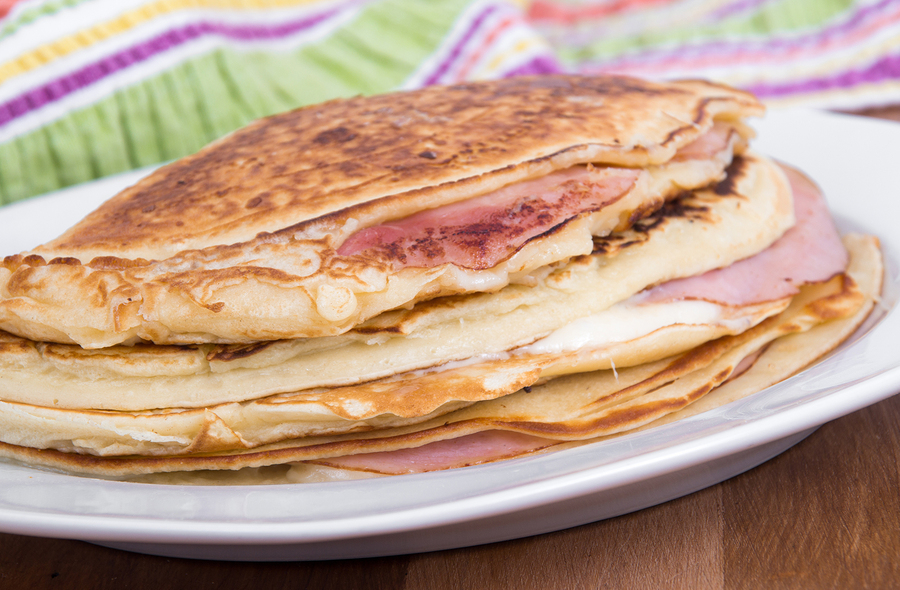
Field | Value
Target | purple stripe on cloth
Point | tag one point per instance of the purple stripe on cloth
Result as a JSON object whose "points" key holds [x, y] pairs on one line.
{"points": [[454, 54], [538, 65], [736, 8], [728, 49], [886, 68], [92, 73]]}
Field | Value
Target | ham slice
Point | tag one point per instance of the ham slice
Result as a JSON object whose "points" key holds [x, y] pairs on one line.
{"points": [[479, 233], [809, 252], [472, 449], [707, 145]]}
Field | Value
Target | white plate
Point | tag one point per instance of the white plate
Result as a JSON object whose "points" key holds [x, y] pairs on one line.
{"points": [[855, 160]]}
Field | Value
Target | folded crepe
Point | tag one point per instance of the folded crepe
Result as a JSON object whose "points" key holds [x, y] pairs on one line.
{"points": [[696, 232], [308, 223], [582, 277]]}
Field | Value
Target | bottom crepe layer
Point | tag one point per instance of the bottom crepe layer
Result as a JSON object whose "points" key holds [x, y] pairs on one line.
{"points": [[555, 414]]}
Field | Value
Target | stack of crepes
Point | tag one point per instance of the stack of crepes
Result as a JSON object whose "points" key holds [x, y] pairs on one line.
{"points": [[425, 280]]}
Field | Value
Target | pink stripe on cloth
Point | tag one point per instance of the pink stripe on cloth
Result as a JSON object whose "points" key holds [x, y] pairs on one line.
{"points": [[457, 50], [541, 65], [486, 36], [6, 6], [547, 10], [488, 40]]}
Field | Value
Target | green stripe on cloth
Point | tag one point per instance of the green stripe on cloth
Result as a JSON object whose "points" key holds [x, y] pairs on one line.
{"points": [[771, 19], [14, 182], [37, 161], [137, 108], [176, 112], [33, 13], [66, 141]]}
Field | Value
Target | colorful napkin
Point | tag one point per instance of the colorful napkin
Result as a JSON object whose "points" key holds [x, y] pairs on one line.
{"points": [[836, 54], [89, 88]]}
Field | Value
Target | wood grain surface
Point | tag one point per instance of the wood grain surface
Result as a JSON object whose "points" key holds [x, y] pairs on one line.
{"points": [[824, 514]]}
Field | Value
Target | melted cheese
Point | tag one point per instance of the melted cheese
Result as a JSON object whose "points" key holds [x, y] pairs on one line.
{"points": [[629, 320]]}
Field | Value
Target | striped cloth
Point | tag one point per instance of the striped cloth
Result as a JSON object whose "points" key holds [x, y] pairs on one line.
{"points": [[90, 88], [837, 54], [84, 96]]}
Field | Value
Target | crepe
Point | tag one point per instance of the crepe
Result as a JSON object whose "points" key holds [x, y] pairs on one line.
{"points": [[598, 270], [458, 400], [577, 408], [697, 232], [265, 234]]}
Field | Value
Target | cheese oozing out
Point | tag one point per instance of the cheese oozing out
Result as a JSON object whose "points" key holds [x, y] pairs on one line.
{"points": [[629, 320]]}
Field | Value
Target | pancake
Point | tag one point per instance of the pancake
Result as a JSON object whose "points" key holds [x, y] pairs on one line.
{"points": [[581, 408], [695, 233], [409, 404], [289, 228], [425, 280]]}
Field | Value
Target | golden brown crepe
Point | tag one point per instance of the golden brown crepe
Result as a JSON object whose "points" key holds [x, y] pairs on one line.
{"points": [[307, 316], [731, 221], [239, 243]]}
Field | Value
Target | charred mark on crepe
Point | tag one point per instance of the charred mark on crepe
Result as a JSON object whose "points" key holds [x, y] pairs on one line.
{"points": [[681, 207], [10, 345], [257, 200], [353, 169], [698, 117], [733, 173], [644, 210], [834, 305], [336, 135], [232, 352], [378, 330]]}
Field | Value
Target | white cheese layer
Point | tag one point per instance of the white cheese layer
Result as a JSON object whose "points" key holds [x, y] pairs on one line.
{"points": [[628, 320]]}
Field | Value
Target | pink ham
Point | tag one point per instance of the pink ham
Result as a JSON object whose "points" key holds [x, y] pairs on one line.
{"points": [[809, 252], [480, 232], [481, 447], [707, 145]]}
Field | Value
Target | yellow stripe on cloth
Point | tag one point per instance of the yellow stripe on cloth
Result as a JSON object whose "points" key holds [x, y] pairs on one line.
{"points": [[124, 22]]}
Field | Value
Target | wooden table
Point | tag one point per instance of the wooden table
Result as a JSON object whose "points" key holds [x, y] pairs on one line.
{"points": [[825, 514]]}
